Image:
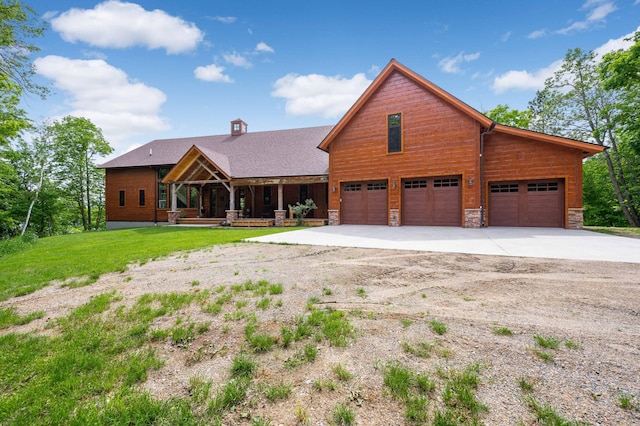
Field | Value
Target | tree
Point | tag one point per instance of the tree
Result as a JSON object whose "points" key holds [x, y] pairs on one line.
{"points": [[620, 72], [19, 24], [510, 117], [77, 143], [33, 161], [576, 104]]}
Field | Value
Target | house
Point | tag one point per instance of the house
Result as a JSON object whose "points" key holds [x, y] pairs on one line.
{"points": [[406, 153]]}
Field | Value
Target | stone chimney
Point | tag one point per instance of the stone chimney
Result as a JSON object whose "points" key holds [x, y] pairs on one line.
{"points": [[238, 127]]}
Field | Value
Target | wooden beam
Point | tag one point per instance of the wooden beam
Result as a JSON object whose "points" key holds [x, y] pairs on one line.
{"points": [[288, 180], [202, 182]]}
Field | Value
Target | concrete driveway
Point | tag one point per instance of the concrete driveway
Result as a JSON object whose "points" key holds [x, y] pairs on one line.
{"points": [[522, 242]]}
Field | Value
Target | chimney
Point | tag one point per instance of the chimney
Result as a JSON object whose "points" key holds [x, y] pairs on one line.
{"points": [[238, 127]]}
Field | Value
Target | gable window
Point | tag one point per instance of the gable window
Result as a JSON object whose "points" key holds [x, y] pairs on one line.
{"points": [[394, 133], [141, 197], [121, 201]]}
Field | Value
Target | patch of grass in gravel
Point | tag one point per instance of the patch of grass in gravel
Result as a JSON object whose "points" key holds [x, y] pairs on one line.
{"points": [[343, 415], [502, 331], [426, 349], [627, 401], [546, 415], [548, 342], [438, 327], [9, 317]]}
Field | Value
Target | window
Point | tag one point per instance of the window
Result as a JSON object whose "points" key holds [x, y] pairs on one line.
{"points": [[377, 186], [304, 193], [236, 127], [419, 183], [266, 196], [121, 203], [504, 187], [394, 133], [352, 187], [141, 199], [542, 187], [162, 189], [444, 183]]}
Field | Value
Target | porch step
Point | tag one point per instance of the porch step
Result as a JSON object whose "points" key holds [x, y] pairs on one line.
{"points": [[253, 222], [212, 221]]}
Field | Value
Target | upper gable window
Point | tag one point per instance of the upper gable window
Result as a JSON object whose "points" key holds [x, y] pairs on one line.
{"points": [[394, 132]]}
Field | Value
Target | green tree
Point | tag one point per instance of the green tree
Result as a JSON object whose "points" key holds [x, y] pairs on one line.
{"points": [[510, 117], [77, 145], [576, 104], [19, 26]]}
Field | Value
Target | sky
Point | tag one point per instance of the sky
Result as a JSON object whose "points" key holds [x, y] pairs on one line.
{"points": [[145, 70]]}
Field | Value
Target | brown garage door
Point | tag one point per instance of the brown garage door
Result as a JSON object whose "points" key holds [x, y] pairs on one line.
{"points": [[527, 203], [364, 203], [431, 201]]}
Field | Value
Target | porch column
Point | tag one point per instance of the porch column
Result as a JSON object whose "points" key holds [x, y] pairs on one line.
{"points": [[232, 197], [174, 198], [281, 212], [173, 215], [280, 196]]}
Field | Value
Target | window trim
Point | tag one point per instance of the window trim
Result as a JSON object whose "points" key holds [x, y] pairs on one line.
{"points": [[399, 127]]}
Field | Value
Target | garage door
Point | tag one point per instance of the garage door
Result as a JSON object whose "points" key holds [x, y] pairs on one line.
{"points": [[364, 203], [431, 201], [527, 203]]}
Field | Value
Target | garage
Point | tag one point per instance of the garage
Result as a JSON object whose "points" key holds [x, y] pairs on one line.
{"points": [[527, 203], [364, 203], [434, 201]]}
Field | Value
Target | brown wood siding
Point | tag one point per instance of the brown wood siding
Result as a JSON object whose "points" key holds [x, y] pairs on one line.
{"points": [[437, 139], [131, 181], [514, 159]]}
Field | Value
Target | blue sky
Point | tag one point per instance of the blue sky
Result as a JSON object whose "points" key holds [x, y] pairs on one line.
{"points": [[145, 70]]}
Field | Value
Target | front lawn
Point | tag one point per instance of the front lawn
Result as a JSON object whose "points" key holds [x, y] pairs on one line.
{"points": [[89, 255]]}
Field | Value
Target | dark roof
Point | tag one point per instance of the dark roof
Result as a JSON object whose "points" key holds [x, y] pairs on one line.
{"points": [[290, 152]]}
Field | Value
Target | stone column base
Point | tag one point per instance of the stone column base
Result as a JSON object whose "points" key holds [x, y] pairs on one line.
{"points": [[173, 217], [575, 218], [232, 215], [394, 217], [280, 217], [472, 218], [334, 217]]}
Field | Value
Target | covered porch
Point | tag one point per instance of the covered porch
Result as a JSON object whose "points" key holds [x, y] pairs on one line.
{"points": [[204, 192]]}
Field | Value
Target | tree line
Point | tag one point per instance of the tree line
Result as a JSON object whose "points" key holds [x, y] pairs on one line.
{"points": [[594, 99], [49, 182]]}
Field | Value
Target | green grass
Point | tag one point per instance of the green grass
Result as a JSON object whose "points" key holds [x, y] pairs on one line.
{"points": [[502, 331], [546, 415], [343, 415], [549, 342], [92, 254], [612, 230], [438, 327], [9, 316], [342, 373]]}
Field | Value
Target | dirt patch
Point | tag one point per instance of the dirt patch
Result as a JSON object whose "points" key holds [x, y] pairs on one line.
{"points": [[595, 305]]}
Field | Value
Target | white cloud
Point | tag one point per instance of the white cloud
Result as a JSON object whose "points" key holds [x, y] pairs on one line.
{"points": [[525, 80], [612, 45], [316, 94], [106, 95], [597, 11], [451, 64], [225, 19], [212, 73], [537, 34], [116, 24], [237, 60], [505, 37], [264, 47]]}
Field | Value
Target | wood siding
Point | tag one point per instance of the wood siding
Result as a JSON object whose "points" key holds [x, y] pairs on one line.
{"points": [[509, 158], [437, 140], [131, 181]]}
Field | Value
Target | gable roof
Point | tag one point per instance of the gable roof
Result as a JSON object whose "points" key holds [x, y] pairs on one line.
{"points": [[291, 152], [395, 66]]}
